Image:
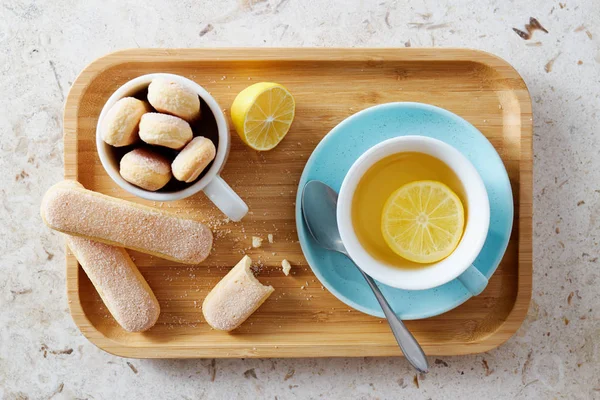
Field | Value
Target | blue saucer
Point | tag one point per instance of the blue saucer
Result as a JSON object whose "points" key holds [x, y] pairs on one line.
{"points": [[332, 159]]}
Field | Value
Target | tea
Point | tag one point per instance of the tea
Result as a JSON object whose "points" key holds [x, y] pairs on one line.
{"points": [[376, 186]]}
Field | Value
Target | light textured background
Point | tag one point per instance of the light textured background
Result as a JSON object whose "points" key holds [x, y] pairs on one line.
{"points": [[555, 354]]}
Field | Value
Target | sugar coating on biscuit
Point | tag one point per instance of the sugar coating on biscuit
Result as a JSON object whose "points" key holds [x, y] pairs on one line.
{"points": [[121, 122], [119, 283], [235, 297], [71, 209], [165, 130], [193, 159], [168, 96], [146, 169]]}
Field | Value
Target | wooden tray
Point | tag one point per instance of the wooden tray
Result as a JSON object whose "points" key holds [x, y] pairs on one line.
{"points": [[328, 85]]}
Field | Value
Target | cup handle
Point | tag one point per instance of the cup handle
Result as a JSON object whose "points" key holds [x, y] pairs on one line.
{"points": [[473, 280], [223, 196]]}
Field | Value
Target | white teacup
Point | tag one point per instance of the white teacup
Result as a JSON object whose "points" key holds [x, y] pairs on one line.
{"points": [[456, 265], [217, 190]]}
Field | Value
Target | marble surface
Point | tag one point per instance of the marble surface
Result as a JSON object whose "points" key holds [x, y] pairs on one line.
{"points": [[555, 354]]}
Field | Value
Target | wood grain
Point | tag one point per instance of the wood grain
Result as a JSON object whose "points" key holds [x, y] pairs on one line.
{"points": [[329, 85]]}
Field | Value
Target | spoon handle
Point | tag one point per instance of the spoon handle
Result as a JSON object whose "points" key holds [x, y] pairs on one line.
{"points": [[409, 345]]}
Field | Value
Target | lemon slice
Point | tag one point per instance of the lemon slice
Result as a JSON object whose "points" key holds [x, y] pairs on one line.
{"points": [[262, 114], [423, 221]]}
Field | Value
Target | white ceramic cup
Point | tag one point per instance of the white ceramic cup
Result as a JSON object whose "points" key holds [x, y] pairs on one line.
{"points": [[217, 190], [456, 265]]}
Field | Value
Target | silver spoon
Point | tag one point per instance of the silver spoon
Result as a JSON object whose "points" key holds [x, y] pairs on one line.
{"points": [[319, 203]]}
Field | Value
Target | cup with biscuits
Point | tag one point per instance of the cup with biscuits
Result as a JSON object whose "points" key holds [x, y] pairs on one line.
{"points": [[163, 137]]}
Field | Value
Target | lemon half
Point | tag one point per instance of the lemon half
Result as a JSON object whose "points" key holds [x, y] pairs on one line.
{"points": [[423, 221], [262, 114]]}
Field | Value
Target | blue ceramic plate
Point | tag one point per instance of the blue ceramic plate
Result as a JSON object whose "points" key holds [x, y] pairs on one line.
{"points": [[332, 159]]}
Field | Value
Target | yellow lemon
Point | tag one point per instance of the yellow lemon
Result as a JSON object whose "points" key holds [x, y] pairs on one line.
{"points": [[262, 114], [423, 221]]}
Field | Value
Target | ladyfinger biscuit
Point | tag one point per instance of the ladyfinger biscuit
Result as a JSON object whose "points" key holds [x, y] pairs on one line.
{"points": [[235, 297], [81, 212], [120, 124], [146, 169], [165, 130], [168, 96], [119, 283], [192, 160]]}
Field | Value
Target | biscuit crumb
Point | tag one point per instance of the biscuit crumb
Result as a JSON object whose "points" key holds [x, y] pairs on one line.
{"points": [[270, 237], [286, 267], [256, 242]]}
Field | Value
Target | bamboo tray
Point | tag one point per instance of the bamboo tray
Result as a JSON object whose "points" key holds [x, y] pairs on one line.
{"points": [[328, 85]]}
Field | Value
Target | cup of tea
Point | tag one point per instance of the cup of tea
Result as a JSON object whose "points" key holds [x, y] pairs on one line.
{"points": [[365, 195]]}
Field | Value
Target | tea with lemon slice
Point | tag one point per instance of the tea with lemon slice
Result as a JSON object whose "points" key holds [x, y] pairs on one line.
{"points": [[408, 210]]}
